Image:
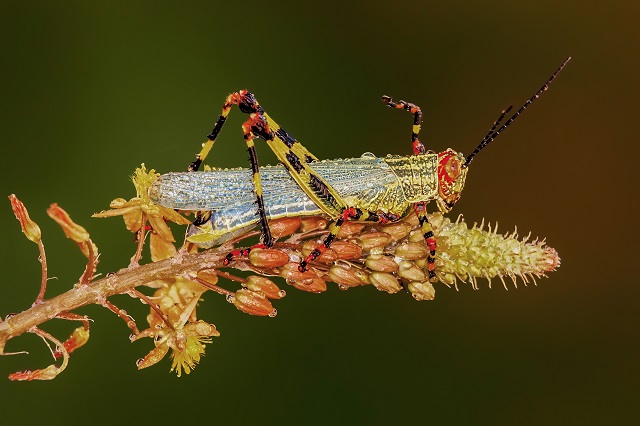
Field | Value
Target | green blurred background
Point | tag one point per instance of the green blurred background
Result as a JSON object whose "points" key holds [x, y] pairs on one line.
{"points": [[91, 90]]}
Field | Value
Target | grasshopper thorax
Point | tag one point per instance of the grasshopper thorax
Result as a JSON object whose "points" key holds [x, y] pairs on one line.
{"points": [[451, 178]]}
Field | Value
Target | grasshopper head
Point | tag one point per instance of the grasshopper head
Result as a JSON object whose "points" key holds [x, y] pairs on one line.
{"points": [[451, 177]]}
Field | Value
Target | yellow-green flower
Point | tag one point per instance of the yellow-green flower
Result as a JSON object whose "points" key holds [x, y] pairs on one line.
{"points": [[132, 211]]}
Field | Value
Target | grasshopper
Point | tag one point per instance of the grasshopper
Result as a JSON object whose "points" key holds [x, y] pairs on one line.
{"points": [[363, 189]]}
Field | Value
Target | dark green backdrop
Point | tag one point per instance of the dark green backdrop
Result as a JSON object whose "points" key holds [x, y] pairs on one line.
{"points": [[90, 90]]}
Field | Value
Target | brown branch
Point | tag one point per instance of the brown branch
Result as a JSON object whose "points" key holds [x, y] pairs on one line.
{"points": [[97, 291]]}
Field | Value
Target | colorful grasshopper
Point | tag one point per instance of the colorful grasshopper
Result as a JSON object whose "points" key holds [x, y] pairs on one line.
{"points": [[365, 189]]}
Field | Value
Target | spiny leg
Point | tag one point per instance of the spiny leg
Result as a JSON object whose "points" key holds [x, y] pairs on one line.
{"points": [[417, 146], [255, 125]]}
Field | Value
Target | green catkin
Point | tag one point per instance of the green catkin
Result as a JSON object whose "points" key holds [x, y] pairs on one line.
{"points": [[467, 254]]}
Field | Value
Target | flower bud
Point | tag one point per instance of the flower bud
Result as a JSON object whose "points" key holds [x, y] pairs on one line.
{"points": [[422, 290], [285, 226], [412, 220], [385, 282], [410, 271], [397, 230], [363, 276], [312, 285], [346, 250], [381, 263], [373, 239], [416, 236], [265, 286], [344, 275], [312, 223], [268, 258], [412, 251], [291, 273], [349, 229], [78, 338], [73, 231], [252, 303], [30, 229], [436, 220]]}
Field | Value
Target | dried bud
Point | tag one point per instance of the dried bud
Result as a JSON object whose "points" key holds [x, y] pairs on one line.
{"points": [[252, 303], [412, 251], [48, 373], [373, 239], [416, 236], [346, 250], [30, 229], [363, 276], [385, 282], [381, 263], [312, 285], [72, 230], [397, 230], [285, 226], [78, 338], [410, 271], [412, 220], [422, 290], [349, 229], [265, 286], [268, 258], [312, 223], [291, 273], [344, 275]]}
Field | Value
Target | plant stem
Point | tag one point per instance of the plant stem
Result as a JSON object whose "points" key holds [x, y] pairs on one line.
{"points": [[95, 292]]}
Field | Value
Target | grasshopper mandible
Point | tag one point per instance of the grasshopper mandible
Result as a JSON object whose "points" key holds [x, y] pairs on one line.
{"points": [[364, 189]]}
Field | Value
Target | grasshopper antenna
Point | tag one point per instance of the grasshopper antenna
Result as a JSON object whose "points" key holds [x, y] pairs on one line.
{"points": [[497, 123], [494, 133]]}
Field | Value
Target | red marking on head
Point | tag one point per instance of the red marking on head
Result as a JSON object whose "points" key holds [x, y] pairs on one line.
{"points": [[451, 177]]}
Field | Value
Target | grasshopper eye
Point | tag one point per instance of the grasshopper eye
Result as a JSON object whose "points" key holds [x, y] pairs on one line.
{"points": [[452, 168]]}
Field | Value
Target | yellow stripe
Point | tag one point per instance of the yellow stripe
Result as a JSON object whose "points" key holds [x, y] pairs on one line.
{"points": [[257, 184], [206, 146], [303, 178]]}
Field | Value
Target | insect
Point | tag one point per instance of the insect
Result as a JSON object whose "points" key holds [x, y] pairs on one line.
{"points": [[364, 189]]}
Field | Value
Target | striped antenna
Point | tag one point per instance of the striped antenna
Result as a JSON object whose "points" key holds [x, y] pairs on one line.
{"points": [[494, 133]]}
